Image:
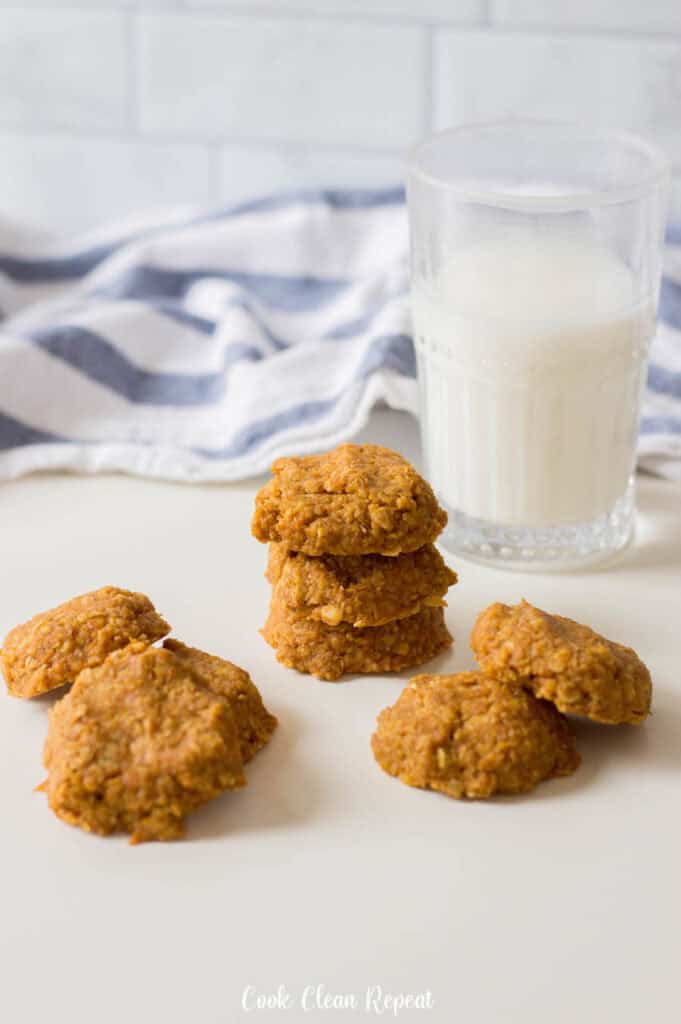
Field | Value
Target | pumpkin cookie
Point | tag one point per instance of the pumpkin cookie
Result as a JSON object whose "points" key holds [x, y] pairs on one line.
{"points": [[580, 671], [255, 724], [137, 744], [367, 590], [356, 500], [329, 652], [52, 648], [468, 735]]}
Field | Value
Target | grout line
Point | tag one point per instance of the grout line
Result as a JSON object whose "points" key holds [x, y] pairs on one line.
{"points": [[250, 14], [587, 32], [54, 133], [487, 24], [263, 10], [183, 8], [133, 84], [112, 7], [215, 147], [430, 81], [257, 10]]}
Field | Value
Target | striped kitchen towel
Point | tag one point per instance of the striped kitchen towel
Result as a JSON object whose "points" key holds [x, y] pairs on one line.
{"points": [[202, 347]]}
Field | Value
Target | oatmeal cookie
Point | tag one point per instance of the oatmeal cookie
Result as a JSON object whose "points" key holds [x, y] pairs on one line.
{"points": [[255, 724], [52, 648], [363, 590], [137, 744], [468, 735], [329, 652], [355, 500], [575, 668]]}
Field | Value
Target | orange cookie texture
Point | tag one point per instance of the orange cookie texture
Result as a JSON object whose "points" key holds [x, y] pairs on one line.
{"points": [[53, 647], [564, 662], [355, 500], [137, 744], [368, 590], [255, 725], [329, 652], [469, 735]]}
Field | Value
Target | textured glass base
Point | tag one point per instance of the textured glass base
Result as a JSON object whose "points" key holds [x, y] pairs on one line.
{"points": [[541, 549]]}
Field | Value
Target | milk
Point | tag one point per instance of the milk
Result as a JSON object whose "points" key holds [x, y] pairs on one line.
{"points": [[532, 354]]}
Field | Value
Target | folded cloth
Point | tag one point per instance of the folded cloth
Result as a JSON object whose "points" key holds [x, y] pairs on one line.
{"points": [[202, 347]]}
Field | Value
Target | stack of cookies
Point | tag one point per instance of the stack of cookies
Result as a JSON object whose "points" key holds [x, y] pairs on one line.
{"points": [[357, 585]]}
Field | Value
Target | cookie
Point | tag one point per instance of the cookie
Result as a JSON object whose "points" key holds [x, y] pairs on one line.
{"points": [[52, 648], [330, 652], [355, 500], [468, 735], [367, 590], [137, 744], [255, 724], [574, 667]]}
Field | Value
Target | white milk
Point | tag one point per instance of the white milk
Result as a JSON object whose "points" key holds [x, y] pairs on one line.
{"points": [[531, 360]]}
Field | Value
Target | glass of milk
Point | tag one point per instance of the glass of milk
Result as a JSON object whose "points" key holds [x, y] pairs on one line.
{"points": [[536, 251]]}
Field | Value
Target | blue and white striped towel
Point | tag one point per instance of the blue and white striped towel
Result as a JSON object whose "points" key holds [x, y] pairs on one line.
{"points": [[203, 347]]}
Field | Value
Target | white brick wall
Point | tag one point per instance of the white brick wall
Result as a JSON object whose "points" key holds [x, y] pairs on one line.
{"points": [[281, 79], [245, 170], [73, 183], [64, 69], [115, 107], [623, 83]]}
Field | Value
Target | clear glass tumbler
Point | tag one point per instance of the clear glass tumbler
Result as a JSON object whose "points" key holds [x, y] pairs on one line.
{"points": [[536, 255]]}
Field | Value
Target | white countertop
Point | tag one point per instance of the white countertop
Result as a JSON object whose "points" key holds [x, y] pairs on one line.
{"points": [[560, 907]]}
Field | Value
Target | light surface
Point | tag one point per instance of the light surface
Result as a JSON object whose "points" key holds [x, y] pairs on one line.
{"points": [[558, 907]]}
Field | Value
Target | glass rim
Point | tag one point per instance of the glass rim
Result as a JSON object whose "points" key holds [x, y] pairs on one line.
{"points": [[658, 172]]}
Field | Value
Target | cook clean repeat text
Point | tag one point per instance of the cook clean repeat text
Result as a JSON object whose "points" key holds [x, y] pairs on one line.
{"points": [[374, 1000]]}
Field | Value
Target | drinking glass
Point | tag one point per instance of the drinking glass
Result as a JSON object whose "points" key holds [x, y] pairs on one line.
{"points": [[535, 274]]}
